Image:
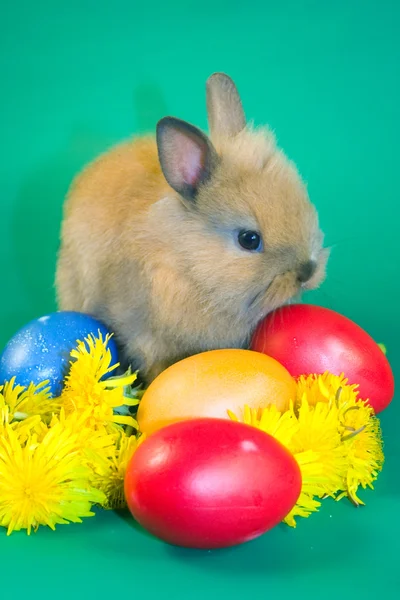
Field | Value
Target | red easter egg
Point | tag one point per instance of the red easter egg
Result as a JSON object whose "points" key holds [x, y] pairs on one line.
{"points": [[310, 339], [211, 483]]}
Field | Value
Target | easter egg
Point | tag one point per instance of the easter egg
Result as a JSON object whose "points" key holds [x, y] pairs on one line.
{"points": [[211, 383], [311, 339], [211, 483], [41, 349]]}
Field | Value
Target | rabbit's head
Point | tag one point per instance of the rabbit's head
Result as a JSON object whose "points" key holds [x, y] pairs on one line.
{"points": [[248, 235]]}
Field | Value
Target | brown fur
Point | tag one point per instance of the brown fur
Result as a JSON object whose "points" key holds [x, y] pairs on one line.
{"points": [[163, 272]]}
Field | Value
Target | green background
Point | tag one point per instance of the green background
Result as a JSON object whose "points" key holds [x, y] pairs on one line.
{"points": [[78, 76]]}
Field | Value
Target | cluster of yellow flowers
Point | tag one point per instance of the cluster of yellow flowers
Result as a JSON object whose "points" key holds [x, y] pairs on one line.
{"points": [[334, 436], [60, 456]]}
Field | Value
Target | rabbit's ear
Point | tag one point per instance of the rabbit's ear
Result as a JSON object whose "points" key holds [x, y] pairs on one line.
{"points": [[224, 108], [186, 155]]}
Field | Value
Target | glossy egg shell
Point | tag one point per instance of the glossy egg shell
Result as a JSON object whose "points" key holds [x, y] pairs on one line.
{"points": [[211, 483], [311, 339], [41, 349], [210, 383]]}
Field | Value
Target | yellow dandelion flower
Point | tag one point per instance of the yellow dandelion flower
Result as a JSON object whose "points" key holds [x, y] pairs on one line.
{"points": [[312, 437], [86, 392], [110, 477], [43, 482], [105, 451], [319, 432], [24, 402], [334, 436], [358, 427], [318, 449]]}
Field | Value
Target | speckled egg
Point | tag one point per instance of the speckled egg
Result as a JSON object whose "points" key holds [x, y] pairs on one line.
{"points": [[41, 349]]}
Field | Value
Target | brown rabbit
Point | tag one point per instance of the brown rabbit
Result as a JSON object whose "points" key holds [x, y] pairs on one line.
{"points": [[181, 244]]}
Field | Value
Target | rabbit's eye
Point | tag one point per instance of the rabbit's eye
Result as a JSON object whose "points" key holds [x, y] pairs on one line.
{"points": [[250, 240]]}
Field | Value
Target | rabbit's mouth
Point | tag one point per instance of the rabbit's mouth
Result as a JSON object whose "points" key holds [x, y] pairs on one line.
{"points": [[286, 287], [256, 299], [281, 290], [260, 304]]}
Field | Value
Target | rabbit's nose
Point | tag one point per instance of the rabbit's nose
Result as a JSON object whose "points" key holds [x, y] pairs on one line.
{"points": [[306, 271]]}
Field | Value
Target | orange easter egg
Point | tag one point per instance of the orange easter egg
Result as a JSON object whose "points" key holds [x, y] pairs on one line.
{"points": [[211, 383]]}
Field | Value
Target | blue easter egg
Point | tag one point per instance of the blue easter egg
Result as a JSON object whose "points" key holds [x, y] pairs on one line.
{"points": [[41, 349]]}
